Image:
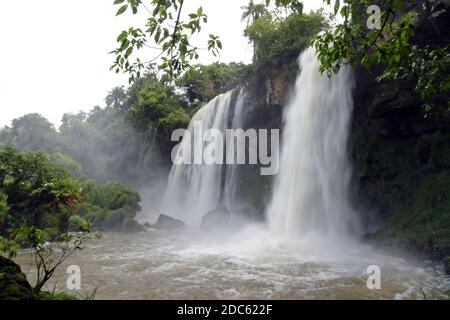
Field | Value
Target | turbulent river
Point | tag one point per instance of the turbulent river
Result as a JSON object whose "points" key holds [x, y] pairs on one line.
{"points": [[190, 265]]}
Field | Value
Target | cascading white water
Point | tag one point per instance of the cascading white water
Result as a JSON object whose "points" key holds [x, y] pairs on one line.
{"points": [[231, 179], [311, 190], [195, 189]]}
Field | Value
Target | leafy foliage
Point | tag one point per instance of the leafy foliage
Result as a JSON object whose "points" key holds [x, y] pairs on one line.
{"points": [[155, 110], [172, 41], [36, 192], [4, 209], [253, 12], [30, 132], [390, 44], [48, 256], [279, 41], [425, 225], [61, 160], [154, 101], [124, 141], [204, 82], [108, 207], [8, 247], [35, 189], [431, 69], [104, 143], [116, 196], [169, 33]]}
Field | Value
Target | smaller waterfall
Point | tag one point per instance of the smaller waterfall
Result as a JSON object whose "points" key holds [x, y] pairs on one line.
{"points": [[195, 189], [311, 189]]}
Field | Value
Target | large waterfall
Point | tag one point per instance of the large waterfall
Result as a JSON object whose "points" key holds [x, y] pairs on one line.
{"points": [[198, 188], [311, 190]]}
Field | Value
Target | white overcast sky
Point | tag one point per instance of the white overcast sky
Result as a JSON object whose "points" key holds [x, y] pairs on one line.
{"points": [[54, 53]]}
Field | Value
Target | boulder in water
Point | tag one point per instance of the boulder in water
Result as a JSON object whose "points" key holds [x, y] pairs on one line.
{"points": [[131, 225], [168, 223], [147, 225], [216, 218]]}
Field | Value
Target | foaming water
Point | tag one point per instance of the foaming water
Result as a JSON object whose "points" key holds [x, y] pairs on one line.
{"points": [[235, 265]]}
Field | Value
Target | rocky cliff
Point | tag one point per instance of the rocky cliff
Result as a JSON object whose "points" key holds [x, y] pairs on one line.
{"points": [[401, 154]]}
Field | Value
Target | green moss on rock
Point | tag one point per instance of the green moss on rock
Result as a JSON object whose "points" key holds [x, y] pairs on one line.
{"points": [[426, 224], [13, 282], [434, 149]]}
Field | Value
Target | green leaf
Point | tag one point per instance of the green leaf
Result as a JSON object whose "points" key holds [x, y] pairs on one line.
{"points": [[129, 52], [122, 10], [337, 4]]}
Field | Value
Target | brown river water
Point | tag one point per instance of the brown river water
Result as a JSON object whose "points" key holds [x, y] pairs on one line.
{"points": [[245, 264]]}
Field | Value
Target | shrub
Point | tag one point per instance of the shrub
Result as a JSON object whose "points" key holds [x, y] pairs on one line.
{"points": [[281, 41], [107, 206], [204, 82], [66, 162], [76, 223], [4, 210], [44, 194], [117, 196]]}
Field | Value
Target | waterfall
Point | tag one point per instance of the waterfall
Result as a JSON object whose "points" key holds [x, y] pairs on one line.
{"points": [[311, 192], [195, 189]]}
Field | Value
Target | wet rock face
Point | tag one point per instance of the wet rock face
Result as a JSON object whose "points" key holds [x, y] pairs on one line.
{"points": [[388, 127], [393, 139], [168, 223], [13, 282], [276, 90]]}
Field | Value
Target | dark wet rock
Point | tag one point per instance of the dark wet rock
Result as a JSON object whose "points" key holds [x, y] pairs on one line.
{"points": [[147, 225], [401, 157], [13, 282], [218, 217], [131, 225], [168, 223]]}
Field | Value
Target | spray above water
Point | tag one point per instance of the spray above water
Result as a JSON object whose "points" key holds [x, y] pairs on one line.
{"points": [[311, 190]]}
